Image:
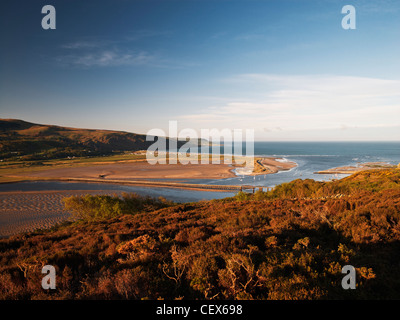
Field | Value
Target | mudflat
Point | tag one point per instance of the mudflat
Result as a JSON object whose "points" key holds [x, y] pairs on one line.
{"points": [[31, 210]]}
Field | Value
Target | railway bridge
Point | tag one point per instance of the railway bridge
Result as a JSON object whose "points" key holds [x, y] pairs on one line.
{"points": [[167, 184]]}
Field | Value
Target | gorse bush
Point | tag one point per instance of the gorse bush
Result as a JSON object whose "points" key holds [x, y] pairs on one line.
{"points": [[89, 207], [94, 207]]}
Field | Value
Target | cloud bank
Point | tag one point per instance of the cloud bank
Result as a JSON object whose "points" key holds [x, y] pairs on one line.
{"points": [[281, 105]]}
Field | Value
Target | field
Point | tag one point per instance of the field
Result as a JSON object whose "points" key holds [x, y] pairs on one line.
{"points": [[14, 171]]}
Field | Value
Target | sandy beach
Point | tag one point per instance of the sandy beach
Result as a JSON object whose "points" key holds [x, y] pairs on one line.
{"points": [[354, 169], [28, 211], [274, 165]]}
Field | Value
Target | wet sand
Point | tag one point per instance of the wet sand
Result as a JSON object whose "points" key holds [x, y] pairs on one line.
{"points": [[31, 210]]}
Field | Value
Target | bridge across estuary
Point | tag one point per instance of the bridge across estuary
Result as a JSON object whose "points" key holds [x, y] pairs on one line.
{"points": [[167, 184]]}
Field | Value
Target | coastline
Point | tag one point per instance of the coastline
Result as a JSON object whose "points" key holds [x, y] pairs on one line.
{"points": [[24, 211]]}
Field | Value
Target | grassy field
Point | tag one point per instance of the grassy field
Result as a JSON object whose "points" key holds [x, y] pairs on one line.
{"points": [[9, 169]]}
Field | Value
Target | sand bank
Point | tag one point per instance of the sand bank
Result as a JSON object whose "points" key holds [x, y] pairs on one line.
{"points": [[354, 169], [274, 165], [138, 170], [146, 171]]}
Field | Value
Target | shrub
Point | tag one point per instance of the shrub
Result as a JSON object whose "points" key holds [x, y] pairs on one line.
{"points": [[89, 207]]}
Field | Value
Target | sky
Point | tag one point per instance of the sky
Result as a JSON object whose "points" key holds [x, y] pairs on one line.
{"points": [[285, 68]]}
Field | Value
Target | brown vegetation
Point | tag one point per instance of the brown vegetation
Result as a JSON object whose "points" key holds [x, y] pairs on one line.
{"points": [[24, 140], [290, 243]]}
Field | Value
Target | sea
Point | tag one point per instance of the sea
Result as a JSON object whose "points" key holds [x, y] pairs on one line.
{"points": [[309, 156], [318, 156]]}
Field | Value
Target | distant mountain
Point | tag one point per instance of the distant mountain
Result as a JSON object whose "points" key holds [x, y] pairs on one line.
{"points": [[32, 141]]}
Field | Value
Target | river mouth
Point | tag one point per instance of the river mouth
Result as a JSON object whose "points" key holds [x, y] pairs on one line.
{"points": [[28, 206], [174, 194]]}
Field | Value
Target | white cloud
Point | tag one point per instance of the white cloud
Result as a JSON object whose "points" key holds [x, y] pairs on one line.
{"points": [[303, 103], [102, 42], [83, 44], [108, 58], [106, 52]]}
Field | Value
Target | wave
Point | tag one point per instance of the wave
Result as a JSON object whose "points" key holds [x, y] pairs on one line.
{"points": [[283, 160], [299, 155]]}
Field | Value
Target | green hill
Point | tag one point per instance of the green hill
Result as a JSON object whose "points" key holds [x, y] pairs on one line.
{"points": [[30, 141]]}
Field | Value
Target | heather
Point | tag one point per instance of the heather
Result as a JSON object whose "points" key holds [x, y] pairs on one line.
{"points": [[289, 243]]}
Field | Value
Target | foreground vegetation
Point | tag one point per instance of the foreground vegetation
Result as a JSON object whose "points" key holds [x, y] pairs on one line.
{"points": [[290, 243]]}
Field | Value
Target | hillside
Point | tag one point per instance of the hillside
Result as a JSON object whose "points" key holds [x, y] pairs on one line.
{"points": [[290, 243], [30, 141]]}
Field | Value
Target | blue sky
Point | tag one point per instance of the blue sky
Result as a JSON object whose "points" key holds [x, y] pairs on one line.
{"points": [[285, 68]]}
